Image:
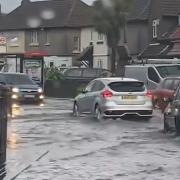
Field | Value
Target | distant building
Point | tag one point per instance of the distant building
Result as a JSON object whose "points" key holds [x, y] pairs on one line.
{"points": [[62, 31]]}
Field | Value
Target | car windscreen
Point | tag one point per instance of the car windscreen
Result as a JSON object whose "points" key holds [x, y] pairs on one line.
{"points": [[165, 71], [128, 86], [18, 79]]}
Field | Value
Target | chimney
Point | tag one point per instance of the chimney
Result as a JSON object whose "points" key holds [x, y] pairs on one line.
{"points": [[0, 10]]}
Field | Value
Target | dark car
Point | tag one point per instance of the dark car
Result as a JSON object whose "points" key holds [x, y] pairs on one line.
{"points": [[86, 73], [172, 113], [22, 87], [166, 89]]}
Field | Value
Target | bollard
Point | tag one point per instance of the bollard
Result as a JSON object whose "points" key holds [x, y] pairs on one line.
{"points": [[4, 96]]}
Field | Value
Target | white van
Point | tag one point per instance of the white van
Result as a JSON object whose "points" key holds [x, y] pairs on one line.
{"points": [[152, 74]]}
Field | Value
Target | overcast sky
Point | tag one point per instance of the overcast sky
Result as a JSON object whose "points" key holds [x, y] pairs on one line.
{"points": [[9, 5]]}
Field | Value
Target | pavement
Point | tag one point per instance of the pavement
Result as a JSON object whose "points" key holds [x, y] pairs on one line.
{"points": [[48, 143]]}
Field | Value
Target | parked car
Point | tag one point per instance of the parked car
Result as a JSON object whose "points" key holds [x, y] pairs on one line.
{"points": [[86, 73], [113, 98], [23, 88], [165, 89], [172, 113], [152, 74]]}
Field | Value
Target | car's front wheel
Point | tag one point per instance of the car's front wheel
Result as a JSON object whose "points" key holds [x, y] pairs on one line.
{"points": [[76, 110]]}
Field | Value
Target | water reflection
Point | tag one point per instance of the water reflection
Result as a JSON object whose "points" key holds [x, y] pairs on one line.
{"points": [[13, 140], [16, 110]]}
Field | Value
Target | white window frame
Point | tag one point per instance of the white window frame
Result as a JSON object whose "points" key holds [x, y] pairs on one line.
{"points": [[91, 35], [100, 63], [179, 19], [100, 37], [47, 38], [155, 24], [34, 38], [76, 41]]}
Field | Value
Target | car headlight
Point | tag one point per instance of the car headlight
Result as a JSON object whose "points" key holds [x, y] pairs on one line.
{"points": [[14, 96], [40, 90], [15, 90]]}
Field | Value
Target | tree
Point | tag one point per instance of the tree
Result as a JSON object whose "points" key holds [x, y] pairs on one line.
{"points": [[109, 18]]}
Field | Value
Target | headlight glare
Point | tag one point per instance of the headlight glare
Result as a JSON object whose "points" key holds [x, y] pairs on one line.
{"points": [[40, 90], [41, 97], [15, 90]]}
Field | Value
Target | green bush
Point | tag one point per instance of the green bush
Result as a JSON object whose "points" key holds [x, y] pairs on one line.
{"points": [[53, 73]]}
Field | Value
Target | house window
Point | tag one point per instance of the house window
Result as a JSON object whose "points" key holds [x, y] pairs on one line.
{"points": [[51, 64], [100, 37], [155, 24], [91, 35], [46, 38], [100, 63], [179, 19], [76, 43], [34, 37]]}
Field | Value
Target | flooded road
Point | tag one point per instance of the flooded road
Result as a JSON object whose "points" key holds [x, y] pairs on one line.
{"points": [[47, 143]]}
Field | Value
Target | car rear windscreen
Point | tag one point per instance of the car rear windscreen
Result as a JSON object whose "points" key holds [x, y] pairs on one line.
{"points": [[127, 86]]}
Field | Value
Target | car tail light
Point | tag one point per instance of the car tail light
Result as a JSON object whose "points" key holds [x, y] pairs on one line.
{"points": [[149, 94], [107, 94]]}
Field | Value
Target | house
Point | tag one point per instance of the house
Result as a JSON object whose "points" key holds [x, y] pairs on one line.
{"points": [[164, 22], [49, 28], [62, 31]]}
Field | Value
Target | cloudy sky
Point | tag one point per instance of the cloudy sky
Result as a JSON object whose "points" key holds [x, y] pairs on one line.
{"points": [[9, 5]]}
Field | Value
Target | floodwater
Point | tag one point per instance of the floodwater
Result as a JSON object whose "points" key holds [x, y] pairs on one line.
{"points": [[47, 143]]}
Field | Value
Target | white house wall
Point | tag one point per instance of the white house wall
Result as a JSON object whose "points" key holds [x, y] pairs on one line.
{"points": [[101, 62], [100, 53], [10, 65], [58, 61], [15, 41]]}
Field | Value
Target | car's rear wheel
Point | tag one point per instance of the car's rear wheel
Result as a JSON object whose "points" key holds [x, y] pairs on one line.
{"points": [[177, 125], [76, 110], [98, 113], [166, 126]]}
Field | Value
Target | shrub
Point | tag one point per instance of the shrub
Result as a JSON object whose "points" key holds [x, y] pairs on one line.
{"points": [[53, 73]]}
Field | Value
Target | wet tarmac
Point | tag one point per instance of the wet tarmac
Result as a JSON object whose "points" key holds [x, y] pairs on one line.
{"points": [[48, 143]]}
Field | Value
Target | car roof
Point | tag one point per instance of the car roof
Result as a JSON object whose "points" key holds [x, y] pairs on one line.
{"points": [[150, 65], [116, 79]]}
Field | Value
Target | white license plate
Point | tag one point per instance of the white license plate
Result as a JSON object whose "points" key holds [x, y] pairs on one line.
{"points": [[129, 97], [29, 96]]}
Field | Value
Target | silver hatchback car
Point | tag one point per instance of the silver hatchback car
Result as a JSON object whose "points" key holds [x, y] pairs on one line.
{"points": [[113, 98]]}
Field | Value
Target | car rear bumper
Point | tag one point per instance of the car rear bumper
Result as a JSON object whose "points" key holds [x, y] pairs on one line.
{"points": [[121, 111]]}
